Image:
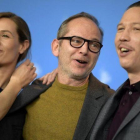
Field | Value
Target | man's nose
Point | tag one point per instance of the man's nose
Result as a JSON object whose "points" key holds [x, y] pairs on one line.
{"points": [[84, 49], [125, 35]]}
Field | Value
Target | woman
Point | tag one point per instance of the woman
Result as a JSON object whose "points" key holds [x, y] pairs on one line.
{"points": [[15, 42]]}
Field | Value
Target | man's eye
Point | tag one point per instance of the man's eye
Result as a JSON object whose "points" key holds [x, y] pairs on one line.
{"points": [[120, 29], [138, 29], [95, 45], [76, 41], [6, 36]]}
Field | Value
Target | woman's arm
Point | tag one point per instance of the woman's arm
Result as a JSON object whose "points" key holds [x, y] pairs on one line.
{"points": [[21, 77]]}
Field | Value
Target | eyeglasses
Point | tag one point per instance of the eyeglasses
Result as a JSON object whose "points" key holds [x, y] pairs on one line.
{"points": [[77, 42]]}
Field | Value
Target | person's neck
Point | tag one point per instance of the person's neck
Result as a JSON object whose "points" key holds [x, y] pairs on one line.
{"points": [[134, 77], [65, 79], [5, 75]]}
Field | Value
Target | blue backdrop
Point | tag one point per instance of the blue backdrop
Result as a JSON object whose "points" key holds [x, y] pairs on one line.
{"points": [[44, 18]]}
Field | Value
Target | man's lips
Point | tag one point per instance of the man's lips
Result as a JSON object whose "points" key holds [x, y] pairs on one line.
{"points": [[81, 61], [124, 48]]}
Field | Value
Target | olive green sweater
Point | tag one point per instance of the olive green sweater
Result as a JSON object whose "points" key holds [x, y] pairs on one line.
{"points": [[54, 115]]}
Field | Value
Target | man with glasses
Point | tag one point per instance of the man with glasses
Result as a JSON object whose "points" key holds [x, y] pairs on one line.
{"points": [[68, 107]]}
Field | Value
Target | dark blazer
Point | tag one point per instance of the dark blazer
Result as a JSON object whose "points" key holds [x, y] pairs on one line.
{"points": [[128, 130], [97, 94]]}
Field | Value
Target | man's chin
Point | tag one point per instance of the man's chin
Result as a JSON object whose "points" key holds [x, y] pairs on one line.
{"points": [[79, 76], [124, 64], [128, 68]]}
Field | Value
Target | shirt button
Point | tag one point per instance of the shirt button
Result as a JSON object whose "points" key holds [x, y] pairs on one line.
{"points": [[123, 103], [130, 92]]}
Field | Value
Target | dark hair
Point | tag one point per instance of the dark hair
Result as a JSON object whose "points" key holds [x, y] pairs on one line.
{"points": [[63, 27], [136, 4], [22, 30]]}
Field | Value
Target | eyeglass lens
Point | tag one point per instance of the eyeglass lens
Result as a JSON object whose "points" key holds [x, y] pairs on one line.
{"points": [[78, 42]]}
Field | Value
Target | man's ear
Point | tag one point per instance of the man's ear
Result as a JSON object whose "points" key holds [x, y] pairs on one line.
{"points": [[24, 46], [55, 47]]}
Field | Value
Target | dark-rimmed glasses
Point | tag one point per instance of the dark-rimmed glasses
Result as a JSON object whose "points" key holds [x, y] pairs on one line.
{"points": [[77, 42]]}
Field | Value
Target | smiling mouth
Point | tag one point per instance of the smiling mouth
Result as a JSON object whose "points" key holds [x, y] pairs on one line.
{"points": [[82, 62], [124, 50]]}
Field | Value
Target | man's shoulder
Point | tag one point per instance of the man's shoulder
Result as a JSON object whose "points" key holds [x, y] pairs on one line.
{"points": [[98, 85], [37, 86], [35, 89], [29, 94]]}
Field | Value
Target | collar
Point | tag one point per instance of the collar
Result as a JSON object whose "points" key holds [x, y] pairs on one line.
{"points": [[133, 87], [137, 86]]}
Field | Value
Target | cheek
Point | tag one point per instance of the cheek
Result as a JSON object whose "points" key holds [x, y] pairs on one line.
{"points": [[94, 59], [67, 51], [116, 43], [14, 49], [116, 39], [11, 48], [137, 41], [63, 55], [138, 53]]}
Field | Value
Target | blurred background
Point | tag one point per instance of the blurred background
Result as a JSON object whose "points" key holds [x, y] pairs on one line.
{"points": [[44, 18]]}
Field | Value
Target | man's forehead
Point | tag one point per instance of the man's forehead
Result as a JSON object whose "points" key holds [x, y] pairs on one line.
{"points": [[82, 23], [83, 27], [132, 14]]}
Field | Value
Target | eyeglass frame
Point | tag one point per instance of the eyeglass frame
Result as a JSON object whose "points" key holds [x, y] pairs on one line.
{"points": [[85, 40]]}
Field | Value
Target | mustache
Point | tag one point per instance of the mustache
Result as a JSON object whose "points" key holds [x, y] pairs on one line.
{"points": [[126, 45]]}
